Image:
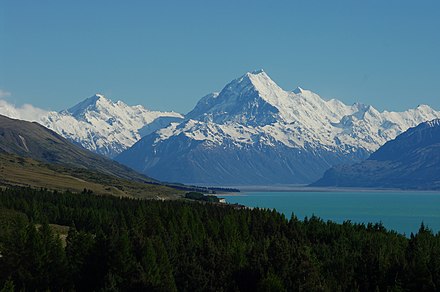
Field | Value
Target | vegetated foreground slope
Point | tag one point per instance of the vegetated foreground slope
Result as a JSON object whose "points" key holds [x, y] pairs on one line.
{"points": [[411, 161], [32, 155], [129, 245], [253, 132], [39, 143], [26, 172]]}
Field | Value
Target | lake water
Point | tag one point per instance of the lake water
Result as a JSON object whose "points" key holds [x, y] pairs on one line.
{"points": [[402, 211]]}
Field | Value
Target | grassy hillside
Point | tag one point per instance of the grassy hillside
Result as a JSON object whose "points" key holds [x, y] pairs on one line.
{"points": [[20, 171], [34, 156], [31, 140]]}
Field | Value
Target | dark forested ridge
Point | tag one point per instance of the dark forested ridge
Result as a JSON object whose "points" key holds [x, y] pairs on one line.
{"points": [[126, 244]]}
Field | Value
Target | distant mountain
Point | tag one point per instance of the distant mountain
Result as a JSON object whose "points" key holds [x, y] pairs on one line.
{"points": [[254, 132], [411, 161], [97, 123], [31, 140], [105, 127]]}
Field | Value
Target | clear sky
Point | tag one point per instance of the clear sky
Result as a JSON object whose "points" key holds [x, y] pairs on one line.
{"points": [[166, 55]]}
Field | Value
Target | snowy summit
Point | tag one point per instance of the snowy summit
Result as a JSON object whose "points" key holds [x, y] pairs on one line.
{"points": [[106, 127]]}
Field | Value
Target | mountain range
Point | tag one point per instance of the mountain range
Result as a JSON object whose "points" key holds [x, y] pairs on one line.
{"points": [[411, 161], [253, 132]]}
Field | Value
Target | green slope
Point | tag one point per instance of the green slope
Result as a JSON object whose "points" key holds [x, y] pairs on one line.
{"points": [[20, 171], [32, 155], [34, 141]]}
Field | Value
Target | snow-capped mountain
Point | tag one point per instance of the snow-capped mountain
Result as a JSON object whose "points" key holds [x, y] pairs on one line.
{"points": [[254, 132], [410, 161], [97, 123]]}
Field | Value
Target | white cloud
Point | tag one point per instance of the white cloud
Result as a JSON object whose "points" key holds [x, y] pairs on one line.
{"points": [[25, 112], [4, 93]]}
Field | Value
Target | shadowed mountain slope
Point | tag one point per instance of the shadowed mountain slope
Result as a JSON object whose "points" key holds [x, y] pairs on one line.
{"points": [[411, 161]]}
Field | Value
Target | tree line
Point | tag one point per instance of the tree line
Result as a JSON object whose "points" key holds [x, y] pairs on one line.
{"points": [[130, 245]]}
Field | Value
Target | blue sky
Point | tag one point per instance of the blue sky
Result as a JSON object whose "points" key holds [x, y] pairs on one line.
{"points": [[168, 54]]}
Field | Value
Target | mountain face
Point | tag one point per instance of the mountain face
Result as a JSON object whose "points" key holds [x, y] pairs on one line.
{"points": [[105, 127], [98, 124], [31, 140], [411, 161], [254, 132]]}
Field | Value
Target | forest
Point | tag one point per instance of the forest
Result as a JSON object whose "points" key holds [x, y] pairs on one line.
{"points": [[122, 244]]}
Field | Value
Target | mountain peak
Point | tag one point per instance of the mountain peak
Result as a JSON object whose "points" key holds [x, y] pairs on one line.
{"points": [[424, 107], [298, 90], [95, 98], [248, 99], [99, 96], [256, 72], [88, 102], [250, 82], [257, 80], [91, 102]]}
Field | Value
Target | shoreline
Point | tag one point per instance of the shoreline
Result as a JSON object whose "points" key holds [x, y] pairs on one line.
{"points": [[305, 189]]}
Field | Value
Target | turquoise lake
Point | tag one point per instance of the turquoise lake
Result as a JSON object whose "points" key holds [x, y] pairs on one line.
{"points": [[402, 211]]}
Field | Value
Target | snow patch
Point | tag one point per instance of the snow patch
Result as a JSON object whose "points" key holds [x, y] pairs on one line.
{"points": [[434, 123], [23, 142]]}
